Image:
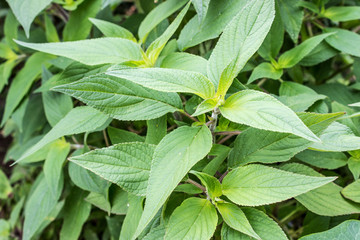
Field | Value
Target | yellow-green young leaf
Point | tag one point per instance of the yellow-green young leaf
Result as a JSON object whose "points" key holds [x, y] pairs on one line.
{"points": [[23, 81], [92, 51], [185, 61], [260, 110], [292, 57], [112, 30], [255, 185], [344, 41], [5, 187], [317, 200], [174, 156], [78, 120], [212, 184], [26, 11], [76, 211], [265, 70], [120, 98], [167, 80], [157, 15], [206, 106], [195, 218], [125, 164], [6, 52], [352, 191], [342, 14], [236, 219], [5, 72], [337, 138], [240, 40]]}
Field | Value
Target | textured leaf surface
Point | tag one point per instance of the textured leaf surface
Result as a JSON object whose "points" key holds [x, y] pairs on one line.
{"points": [[122, 99], [291, 16], [255, 185], [212, 184], [201, 7], [344, 41], [126, 164], [185, 61], [260, 110], [167, 80], [92, 51], [173, 158], [352, 191], [195, 218]]}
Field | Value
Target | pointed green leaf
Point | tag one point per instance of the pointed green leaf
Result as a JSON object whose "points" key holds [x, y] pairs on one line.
{"points": [[201, 7], [185, 61], [236, 219], [91, 51], [174, 156], [319, 54], [167, 80], [132, 218], [195, 218], [352, 191], [327, 160], [120, 98], [5, 186], [342, 14], [354, 167], [212, 184], [291, 16], [265, 70], [156, 130], [344, 41], [260, 110], [206, 106], [112, 30], [122, 136], [255, 185]]}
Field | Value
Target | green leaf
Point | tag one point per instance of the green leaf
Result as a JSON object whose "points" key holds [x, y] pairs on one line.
{"points": [[318, 200], [15, 212], [50, 30], [78, 120], [5, 186], [11, 27], [291, 16], [236, 219], [120, 98], [54, 163], [319, 54], [126, 164], [212, 184], [344, 41], [78, 27], [100, 201], [291, 57], [337, 138], [195, 218], [156, 130], [352, 191], [76, 212], [327, 160], [255, 185], [354, 166], [201, 7], [185, 61], [265, 70], [6, 52], [22, 82], [206, 106], [174, 156], [263, 225], [5, 72], [167, 80], [260, 110], [346, 230], [132, 217], [5, 229], [112, 30], [342, 14], [157, 15], [220, 152], [240, 40], [91, 51], [122, 136], [26, 11]]}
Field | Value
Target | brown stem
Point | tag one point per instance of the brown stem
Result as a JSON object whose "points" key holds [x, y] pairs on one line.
{"points": [[228, 133], [224, 175], [196, 184], [189, 116], [106, 138]]}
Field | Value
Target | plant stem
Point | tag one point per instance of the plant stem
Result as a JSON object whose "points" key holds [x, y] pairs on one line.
{"points": [[106, 138], [213, 123], [224, 175], [196, 184], [189, 116], [221, 141], [228, 133]]}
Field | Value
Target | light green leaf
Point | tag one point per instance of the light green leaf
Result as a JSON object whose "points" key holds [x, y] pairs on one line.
{"points": [[120, 98], [6, 52], [344, 41], [22, 82], [76, 211], [5, 229], [78, 27], [201, 7], [50, 30], [26, 11], [5, 187], [174, 156], [255, 185], [291, 57], [5, 72], [11, 27], [125, 164], [327, 160], [206, 106], [337, 138], [110, 29], [352, 191], [167, 80], [122, 136], [265, 70], [260, 110], [185, 61], [291, 16], [219, 152], [236, 219], [342, 14], [317, 200], [349, 229], [157, 15], [132, 217], [354, 167], [240, 40], [319, 54], [91, 51], [212, 184], [15, 212], [78, 120], [100, 201], [195, 218], [156, 130]]}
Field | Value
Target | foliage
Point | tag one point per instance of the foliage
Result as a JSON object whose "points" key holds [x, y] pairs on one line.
{"points": [[180, 119]]}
